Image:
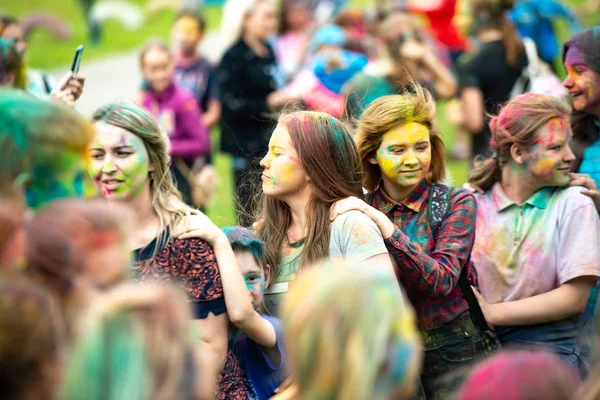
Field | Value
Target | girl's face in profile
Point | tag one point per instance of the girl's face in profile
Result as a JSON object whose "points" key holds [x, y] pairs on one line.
{"points": [[283, 175]]}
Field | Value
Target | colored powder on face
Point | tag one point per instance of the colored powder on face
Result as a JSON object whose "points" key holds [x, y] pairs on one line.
{"points": [[403, 149]]}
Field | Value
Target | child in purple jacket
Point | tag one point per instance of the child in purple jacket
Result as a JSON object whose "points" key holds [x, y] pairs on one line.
{"points": [[177, 112]]}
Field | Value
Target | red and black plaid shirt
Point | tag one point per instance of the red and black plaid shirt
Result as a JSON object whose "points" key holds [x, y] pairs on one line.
{"points": [[428, 268]]}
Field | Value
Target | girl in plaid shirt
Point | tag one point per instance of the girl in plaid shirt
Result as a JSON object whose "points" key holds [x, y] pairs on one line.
{"points": [[403, 158]]}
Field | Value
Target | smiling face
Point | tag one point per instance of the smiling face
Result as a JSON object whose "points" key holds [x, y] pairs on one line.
{"points": [[549, 161], [582, 82], [158, 69], [254, 276], [283, 175], [119, 163], [404, 155]]}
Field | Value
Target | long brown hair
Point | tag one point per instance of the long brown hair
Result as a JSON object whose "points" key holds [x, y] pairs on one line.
{"points": [[518, 123], [329, 156], [491, 14], [388, 112], [585, 131]]}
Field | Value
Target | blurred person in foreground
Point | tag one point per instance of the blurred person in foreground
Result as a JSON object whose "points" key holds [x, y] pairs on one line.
{"points": [[44, 147], [37, 83], [335, 351], [521, 375], [76, 248], [32, 344], [135, 344]]}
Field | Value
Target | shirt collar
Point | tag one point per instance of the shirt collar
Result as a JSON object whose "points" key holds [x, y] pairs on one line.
{"points": [[539, 199], [415, 202]]}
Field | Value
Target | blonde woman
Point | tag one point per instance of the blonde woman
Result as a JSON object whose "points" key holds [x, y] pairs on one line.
{"points": [[334, 350], [130, 165]]}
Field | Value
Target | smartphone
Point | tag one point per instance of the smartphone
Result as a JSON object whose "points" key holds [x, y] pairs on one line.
{"points": [[77, 59]]}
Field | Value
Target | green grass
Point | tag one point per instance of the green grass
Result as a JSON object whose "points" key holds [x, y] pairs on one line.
{"points": [[46, 52]]}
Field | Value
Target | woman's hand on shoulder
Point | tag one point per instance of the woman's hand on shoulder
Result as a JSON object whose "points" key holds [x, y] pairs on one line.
{"points": [[589, 184], [348, 204], [353, 203], [198, 226]]}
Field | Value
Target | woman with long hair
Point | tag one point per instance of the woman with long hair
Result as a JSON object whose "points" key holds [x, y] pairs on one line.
{"points": [[312, 162], [428, 229], [488, 75], [537, 243], [130, 165]]}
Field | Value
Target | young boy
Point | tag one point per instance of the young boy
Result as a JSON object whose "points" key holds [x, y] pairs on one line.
{"points": [[193, 72], [258, 338]]}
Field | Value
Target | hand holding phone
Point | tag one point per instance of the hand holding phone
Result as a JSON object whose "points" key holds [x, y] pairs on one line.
{"points": [[77, 59]]}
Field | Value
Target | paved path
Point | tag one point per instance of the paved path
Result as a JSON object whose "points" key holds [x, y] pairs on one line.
{"points": [[107, 79]]}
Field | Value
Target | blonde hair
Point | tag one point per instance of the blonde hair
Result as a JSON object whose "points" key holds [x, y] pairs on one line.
{"points": [[349, 333], [517, 124], [388, 112], [165, 196], [133, 343]]}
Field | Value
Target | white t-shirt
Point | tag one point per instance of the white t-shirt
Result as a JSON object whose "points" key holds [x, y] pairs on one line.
{"points": [[523, 251], [354, 236]]}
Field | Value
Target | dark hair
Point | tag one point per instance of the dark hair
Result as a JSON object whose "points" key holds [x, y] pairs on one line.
{"points": [[7, 20], [192, 14], [283, 10], [243, 239], [585, 131], [10, 60], [491, 14]]}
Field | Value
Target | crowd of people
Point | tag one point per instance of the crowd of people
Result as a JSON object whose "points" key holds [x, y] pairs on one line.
{"points": [[357, 270]]}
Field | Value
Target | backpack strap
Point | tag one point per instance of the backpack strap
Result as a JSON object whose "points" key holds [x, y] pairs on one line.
{"points": [[437, 208]]}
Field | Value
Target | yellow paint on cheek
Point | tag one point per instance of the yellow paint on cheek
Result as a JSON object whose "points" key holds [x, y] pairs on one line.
{"points": [[388, 164], [545, 166]]}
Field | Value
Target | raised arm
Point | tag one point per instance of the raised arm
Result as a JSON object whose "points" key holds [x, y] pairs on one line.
{"points": [[237, 298]]}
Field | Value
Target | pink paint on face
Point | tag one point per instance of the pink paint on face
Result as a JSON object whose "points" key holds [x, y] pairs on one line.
{"points": [[549, 161], [582, 82]]}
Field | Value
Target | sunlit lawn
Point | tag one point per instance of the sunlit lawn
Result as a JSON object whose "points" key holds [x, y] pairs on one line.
{"points": [[46, 52]]}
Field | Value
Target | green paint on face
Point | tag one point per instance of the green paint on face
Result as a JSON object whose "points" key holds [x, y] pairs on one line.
{"points": [[254, 282], [120, 163], [61, 178]]}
